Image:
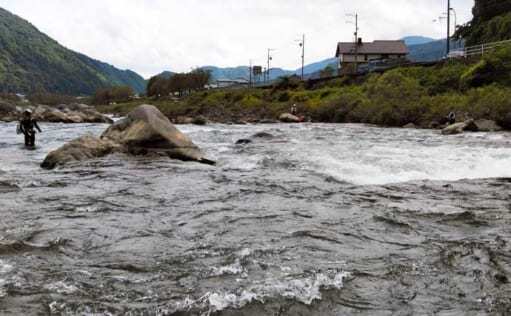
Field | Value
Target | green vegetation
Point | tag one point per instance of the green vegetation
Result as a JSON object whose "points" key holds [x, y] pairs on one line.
{"points": [[420, 95], [32, 62]]}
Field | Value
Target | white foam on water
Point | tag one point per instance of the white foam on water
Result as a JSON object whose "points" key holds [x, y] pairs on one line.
{"points": [[61, 288], [384, 165], [232, 269], [305, 290], [5, 267], [245, 252], [3, 291]]}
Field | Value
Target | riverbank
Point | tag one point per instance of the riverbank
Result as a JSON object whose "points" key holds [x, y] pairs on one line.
{"points": [[72, 113], [413, 96]]}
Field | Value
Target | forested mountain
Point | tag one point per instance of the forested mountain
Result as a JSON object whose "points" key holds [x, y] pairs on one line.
{"points": [[491, 23], [30, 61]]}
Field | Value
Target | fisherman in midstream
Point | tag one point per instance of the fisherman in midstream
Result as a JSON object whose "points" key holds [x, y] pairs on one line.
{"points": [[27, 126]]}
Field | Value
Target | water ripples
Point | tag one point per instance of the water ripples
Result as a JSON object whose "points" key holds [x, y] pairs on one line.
{"points": [[313, 220]]}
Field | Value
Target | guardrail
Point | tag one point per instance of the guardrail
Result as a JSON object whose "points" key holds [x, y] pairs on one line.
{"points": [[477, 50]]}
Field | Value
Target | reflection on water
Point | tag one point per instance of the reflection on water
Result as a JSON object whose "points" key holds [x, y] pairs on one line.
{"points": [[318, 220]]}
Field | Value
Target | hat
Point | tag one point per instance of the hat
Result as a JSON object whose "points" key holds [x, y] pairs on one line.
{"points": [[29, 111]]}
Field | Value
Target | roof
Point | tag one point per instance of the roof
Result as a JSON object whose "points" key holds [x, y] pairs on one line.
{"points": [[376, 47]]}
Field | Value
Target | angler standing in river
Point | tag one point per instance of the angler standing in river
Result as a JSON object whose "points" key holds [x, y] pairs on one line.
{"points": [[27, 126]]}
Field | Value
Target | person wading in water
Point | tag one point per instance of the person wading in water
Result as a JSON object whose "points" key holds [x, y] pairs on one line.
{"points": [[27, 126], [294, 110], [451, 118]]}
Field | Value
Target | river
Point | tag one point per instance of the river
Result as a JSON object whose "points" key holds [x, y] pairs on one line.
{"points": [[317, 220]]}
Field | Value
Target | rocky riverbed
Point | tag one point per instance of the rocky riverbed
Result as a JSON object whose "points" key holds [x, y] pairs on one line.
{"points": [[306, 219], [65, 113]]}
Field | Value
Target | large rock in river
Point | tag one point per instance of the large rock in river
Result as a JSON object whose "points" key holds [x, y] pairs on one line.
{"points": [[8, 112], [459, 128], [83, 148], [145, 130], [289, 118]]}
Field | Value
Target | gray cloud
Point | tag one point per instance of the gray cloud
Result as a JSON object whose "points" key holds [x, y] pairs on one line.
{"points": [[149, 36]]}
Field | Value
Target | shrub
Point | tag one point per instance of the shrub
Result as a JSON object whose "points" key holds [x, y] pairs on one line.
{"points": [[491, 102], [394, 100], [283, 96], [339, 109]]}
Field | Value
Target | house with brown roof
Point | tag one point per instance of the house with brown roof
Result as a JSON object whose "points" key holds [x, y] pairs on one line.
{"points": [[351, 55]]}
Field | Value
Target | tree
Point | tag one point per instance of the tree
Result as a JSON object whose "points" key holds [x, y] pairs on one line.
{"points": [[113, 94], [181, 83]]}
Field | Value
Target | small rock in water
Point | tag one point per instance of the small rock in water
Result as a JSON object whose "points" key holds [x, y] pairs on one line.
{"points": [[260, 135], [487, 126], [243, 142], [410, 126], [263, 135]]}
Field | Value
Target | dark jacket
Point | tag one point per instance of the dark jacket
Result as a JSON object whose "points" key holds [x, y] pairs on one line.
{"points": [[28, 125]]}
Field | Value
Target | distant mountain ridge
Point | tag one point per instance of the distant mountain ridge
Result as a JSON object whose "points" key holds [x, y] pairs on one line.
{"points": [[242, 72], [432, 51], [417, 40], [30, 61]]}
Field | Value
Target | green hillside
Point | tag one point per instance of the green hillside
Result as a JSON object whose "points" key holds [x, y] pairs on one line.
{"points": [[30, 62]]}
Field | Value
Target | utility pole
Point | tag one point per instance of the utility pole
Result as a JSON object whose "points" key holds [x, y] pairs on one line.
{"points": [[356, 43], [302, 44], [356, 38], [448, 27], [250, 74]]}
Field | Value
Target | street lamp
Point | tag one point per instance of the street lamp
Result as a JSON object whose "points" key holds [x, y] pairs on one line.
{"points": [[270, 58]]}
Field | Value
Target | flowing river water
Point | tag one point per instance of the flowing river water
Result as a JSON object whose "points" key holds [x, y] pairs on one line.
{"points": [[316, 220]]}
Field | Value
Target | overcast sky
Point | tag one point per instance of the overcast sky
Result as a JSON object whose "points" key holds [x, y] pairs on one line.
{"points": [[149, 36]]}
